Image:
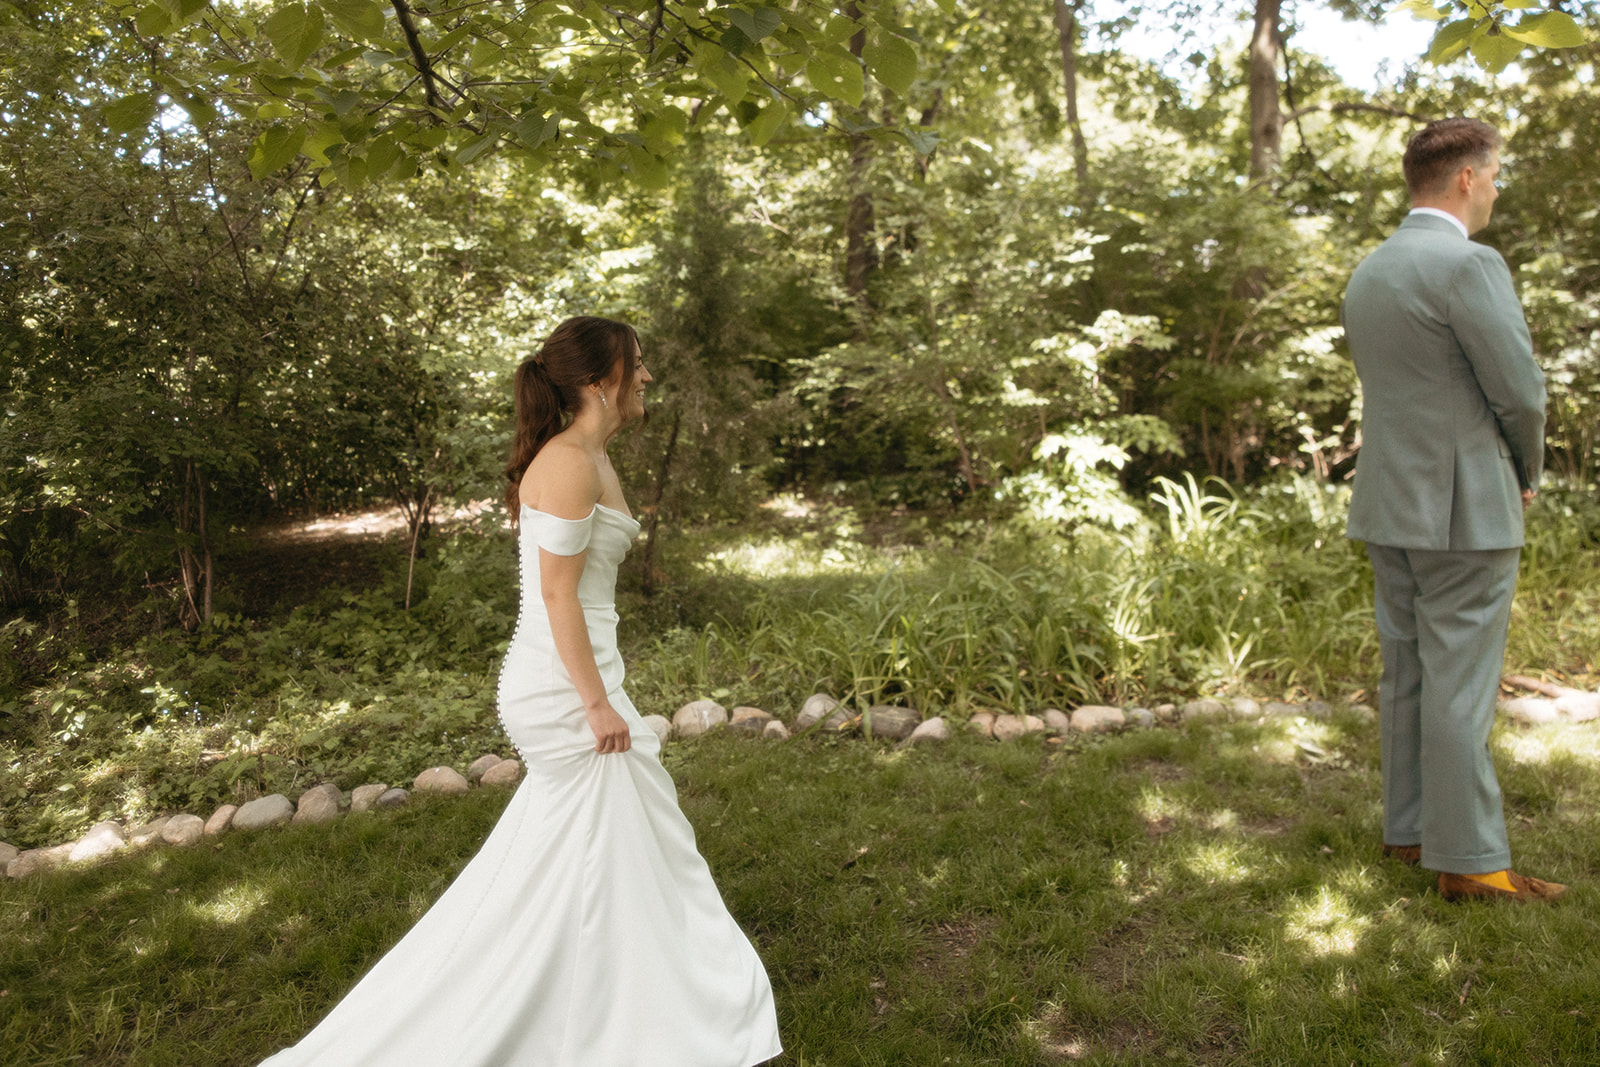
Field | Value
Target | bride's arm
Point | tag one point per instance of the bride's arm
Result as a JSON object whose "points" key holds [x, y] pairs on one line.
{"points": [[570, 490]]}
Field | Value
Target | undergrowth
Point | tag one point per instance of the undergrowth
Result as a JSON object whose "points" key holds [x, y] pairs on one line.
{"points": [[1219, 593]]}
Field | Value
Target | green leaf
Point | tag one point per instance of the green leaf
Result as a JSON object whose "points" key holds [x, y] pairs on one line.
{"points": [[768, 123], [1495, 51], [274, 109], [382, 154], [343, 102], [295, 32], [923, 139], [839, 77], [1520, 5], [1422, 10], [200, 110], [486, 53], [183, 11], [351, 172], [1452, 39], [646, 169], [274, 149], [733, 41], [320, 141], [893, 61], [430, 136], [728, 75], [664, 129], [153, 20], [451, 39], [534, 128], [839, 29], [477, 147], [132, 112], [340, 58], [362, 19], [947, 6], [1552, 29], [762, 22]]}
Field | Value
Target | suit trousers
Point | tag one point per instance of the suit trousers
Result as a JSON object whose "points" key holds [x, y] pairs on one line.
{"points": [[1442, 620]]}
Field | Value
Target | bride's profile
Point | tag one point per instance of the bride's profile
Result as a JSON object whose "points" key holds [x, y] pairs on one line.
{"points": [[587, 931]]}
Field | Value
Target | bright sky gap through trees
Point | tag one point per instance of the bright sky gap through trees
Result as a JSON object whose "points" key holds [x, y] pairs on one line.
{"points": [[1357, 50]]}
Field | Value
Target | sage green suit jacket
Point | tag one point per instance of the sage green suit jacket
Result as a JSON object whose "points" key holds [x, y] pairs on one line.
{"points": [[1452, 423]]}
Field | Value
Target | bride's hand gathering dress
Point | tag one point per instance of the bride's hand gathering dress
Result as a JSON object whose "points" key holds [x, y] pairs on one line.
{"points": [[587, 931]]}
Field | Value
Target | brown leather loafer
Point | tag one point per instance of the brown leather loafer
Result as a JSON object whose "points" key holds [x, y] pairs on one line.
{"points": [[1410, 855], [1460, 887]]}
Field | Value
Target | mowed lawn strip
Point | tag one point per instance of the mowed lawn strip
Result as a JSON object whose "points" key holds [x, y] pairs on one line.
{"points": [[1210, 894]]}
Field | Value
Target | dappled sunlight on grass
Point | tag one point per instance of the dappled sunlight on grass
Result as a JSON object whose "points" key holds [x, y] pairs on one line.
{"points": [[1326, 925], [236, 903], [1275, 750], [1120, 873], [888, 757], [1344, 985], [1353, 880], [1544, 744], [1214, 862], [141, 945], [936, 877], [1159, 808]]}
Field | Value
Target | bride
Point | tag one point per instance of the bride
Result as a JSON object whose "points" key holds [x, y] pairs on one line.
{"points": [[587, 931]]}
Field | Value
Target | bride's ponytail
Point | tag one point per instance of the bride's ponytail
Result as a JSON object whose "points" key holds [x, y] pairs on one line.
{"points": [[546, 386]]}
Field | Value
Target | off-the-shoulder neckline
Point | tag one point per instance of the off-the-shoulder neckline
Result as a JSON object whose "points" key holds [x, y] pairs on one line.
{"points": [[597, 507]]}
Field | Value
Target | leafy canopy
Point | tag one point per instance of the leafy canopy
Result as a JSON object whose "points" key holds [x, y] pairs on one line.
{"points": [[368, 91]]}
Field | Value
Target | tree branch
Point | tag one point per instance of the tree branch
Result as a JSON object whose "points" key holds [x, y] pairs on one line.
{"points": [[1376, 109], [419, 57]]}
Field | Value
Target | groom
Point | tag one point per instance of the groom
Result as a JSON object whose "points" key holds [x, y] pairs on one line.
{"points": [[1452, 450]]}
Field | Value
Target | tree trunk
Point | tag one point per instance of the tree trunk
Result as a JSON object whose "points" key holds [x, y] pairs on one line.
{"points": [[189, 614], [196, 570], [963, 453], [416, 532], [205, 547], [1266, 116], [654, 507], [861, 250], [1067, 32]]}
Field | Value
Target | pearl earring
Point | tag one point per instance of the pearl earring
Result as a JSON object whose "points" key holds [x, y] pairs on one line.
{"points": [[603, 399]]}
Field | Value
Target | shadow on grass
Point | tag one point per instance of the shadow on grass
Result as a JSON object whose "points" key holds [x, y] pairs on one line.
{"points": [[1211, 895]]}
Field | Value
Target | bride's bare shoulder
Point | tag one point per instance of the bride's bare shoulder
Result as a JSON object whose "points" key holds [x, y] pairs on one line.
{"points": [[562, 480]]}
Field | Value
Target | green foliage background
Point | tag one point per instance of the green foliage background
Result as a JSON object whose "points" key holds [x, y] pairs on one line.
{"points": [[261, 261]]}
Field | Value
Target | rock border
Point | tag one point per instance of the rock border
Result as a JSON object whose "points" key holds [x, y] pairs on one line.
{"points": [[322, 803], [821, 713]]}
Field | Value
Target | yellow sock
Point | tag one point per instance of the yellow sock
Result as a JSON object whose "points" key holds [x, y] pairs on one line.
{"points": [[1498, 879]]}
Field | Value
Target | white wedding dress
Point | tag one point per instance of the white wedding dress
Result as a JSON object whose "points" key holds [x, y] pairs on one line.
{"points": [[587, 931]]}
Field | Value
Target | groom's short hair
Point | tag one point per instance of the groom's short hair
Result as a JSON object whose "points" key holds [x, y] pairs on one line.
{"points": [[1438, 151]]}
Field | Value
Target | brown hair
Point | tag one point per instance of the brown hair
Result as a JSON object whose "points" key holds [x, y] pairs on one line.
{"points": [[1438, 151], [581, 351]]}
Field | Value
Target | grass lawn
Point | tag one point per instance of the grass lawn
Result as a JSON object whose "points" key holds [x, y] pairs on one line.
{"points": [[1210, 894]]}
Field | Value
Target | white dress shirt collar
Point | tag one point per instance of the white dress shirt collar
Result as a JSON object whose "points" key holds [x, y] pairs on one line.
{"points": [[1457, 223]]}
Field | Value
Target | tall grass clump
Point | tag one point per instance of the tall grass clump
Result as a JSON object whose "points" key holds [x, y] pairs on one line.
{"points": [[1215, 592], [1555, 622]]}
